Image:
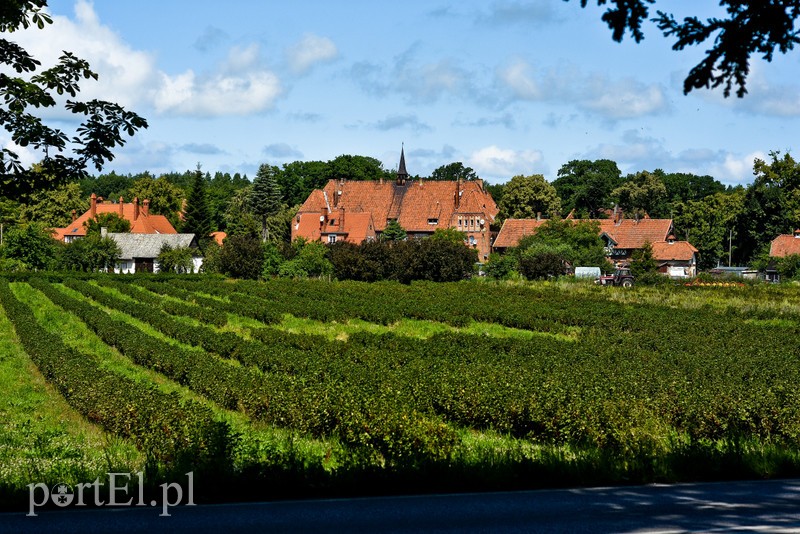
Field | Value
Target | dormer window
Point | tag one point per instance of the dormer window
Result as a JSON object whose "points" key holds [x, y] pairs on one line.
{"points": [[433, 220]]}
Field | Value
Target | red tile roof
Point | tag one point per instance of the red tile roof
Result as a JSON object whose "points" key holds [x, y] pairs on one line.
{"points": [[352, 227], [784, 245], [514, 230], [627, 233], [675, 251], [141, 223], [413, 204], [632, 234]]}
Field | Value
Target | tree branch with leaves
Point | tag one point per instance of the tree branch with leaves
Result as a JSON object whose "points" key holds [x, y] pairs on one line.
{"points": [[23, 97]]}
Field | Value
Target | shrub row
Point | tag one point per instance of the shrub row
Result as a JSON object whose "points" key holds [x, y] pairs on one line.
{"points": [[319, 404], [169, 431], [244, 306], [224, 344], [137, 291]]}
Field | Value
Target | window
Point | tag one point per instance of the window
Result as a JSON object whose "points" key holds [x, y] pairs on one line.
{"points": [[332, 238], [433, 220]]}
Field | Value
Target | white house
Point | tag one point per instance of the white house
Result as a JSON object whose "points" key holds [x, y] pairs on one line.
{"points": [[139, 251]]}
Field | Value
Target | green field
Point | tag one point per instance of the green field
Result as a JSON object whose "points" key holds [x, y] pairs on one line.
{"points": [[304, 388]]}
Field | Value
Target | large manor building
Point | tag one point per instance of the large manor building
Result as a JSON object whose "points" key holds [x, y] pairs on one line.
{"points": [[357, 211]]}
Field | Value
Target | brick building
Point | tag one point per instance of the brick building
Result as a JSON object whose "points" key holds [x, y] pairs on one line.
{"points": [[357, 211]]}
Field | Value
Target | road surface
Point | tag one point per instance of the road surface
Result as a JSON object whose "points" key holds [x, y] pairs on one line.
{"points": [[762, 506]]}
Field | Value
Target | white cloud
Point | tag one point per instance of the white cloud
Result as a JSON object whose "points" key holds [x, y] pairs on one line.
{"points": [[124, 73], [399, 122], [527, 14], [638, 152], [593, 93], [503, 163], [26, 155], [737, 169], [311, 50], [131, 78], [624, 99], [218, 95], [519, 78], [419, 81]]}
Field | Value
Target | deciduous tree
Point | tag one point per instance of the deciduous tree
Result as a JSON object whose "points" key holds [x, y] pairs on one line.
{"points": [[640, 194], [585, 186], [28, 93], [749, 27], [454, 171], [526, 196]]}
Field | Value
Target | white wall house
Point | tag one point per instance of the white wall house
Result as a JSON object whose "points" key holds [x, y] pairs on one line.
{"points": [[139, 251]]}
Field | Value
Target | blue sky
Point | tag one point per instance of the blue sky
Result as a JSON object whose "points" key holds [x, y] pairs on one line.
{"points": [[506, 87]]}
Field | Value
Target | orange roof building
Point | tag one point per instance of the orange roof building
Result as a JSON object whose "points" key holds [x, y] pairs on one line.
{"points": [[356, 211], [142, 222], [622, 236], [785, 245]]}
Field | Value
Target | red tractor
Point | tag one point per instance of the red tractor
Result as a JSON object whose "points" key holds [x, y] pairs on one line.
{"points": [[621, 277]]}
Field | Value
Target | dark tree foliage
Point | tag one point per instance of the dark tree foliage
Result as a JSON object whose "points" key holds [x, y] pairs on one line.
{"points": [[496, 190], [110, 186], [265, 197], [32, 244], [241, 257], [750, 27], [196, 219], [219, 192], [110, 221], [771, 205], [299, 178], [347, 167], [643, 262], [352, 262], [393, 232], [585, 186], [438, 260], [542, 263], [454, 171], [683, 187], [89, 254], [30, 94]]}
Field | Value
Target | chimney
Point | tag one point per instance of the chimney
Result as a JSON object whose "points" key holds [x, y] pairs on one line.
{"points": [[74, 215], [146, 207], [135, 208], [120, 207], [93, 206], [538, 215]]}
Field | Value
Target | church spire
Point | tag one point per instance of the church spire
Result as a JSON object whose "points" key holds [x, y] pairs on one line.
{"points": [[402, 174]]}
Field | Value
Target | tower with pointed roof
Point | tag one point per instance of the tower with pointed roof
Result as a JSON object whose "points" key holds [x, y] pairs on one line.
{"points": [[402, 174]]}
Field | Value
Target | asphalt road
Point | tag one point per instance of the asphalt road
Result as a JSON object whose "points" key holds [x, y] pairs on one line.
{"points": [[764, 506]]}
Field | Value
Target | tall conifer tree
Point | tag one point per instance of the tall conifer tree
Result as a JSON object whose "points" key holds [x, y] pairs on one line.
{"points": [[196, 218], [265, 198]]}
